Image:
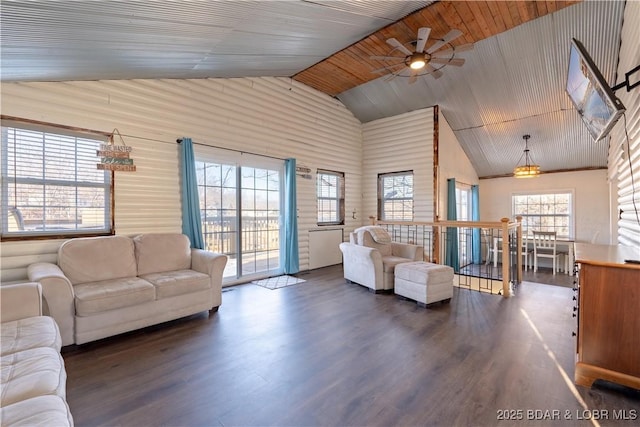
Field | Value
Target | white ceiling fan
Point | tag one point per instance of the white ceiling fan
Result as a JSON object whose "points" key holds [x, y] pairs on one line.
{"points": [[402, 62]]}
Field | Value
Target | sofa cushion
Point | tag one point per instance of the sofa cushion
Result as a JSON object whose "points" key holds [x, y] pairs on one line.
{"points": [[30, 373], [47, 410], [92, 259], [160, 252], [172, 283], [96, 297], [32, 332]]}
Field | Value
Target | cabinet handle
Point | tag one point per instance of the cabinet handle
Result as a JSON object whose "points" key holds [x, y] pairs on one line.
{"points": [[573, 334]]}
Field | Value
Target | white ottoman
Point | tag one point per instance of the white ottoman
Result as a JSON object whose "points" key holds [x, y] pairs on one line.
{"points": [[424, 282]]}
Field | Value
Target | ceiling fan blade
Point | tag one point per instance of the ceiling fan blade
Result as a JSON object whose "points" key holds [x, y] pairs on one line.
{"points": [[387, 68], [390, 77], [457, 62], [395, 43], [451, 35], [423, 36], [452, 50], [413, 78], [387, 58], [435, 73]]}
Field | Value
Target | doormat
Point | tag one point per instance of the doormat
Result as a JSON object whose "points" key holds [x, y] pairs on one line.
{"points": [[278, 282]]}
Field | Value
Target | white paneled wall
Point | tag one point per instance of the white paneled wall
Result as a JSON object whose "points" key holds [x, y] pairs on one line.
{"points": [[624, 155], [452, 163], [589, 187], [400, 143], [266, 116], [324, 247]]}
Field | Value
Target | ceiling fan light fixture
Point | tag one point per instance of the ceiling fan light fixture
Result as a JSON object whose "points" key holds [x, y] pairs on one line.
{"points": [[417, 61], [416, 65], [528, 170], [413, 60]]}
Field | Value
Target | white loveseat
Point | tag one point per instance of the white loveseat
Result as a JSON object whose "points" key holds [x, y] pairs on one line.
{"points": [[370, 257], [103, 286], [33, 375]]}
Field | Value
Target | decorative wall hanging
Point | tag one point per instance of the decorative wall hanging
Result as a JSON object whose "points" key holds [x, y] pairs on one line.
{"points": [[303, 172], [115, 157]]}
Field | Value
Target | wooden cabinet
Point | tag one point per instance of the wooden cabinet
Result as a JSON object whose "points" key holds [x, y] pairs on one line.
{"points": [[608, 336]]}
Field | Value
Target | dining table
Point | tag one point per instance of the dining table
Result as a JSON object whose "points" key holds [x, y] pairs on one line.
{"points": [[561, 243]]}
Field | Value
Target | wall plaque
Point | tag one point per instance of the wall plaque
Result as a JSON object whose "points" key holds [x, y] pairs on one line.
{"points": [[115, 157]]}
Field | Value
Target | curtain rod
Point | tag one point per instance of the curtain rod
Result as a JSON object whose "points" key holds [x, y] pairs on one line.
{"points": [[179, 140], [463, 183]]}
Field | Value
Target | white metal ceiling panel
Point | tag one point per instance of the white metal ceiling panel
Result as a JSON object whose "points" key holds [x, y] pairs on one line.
{"points": [[92, 40], [511, 84]]}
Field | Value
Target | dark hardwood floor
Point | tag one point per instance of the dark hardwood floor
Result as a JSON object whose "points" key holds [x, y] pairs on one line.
{"points": [[328, 353], [546, 276]]}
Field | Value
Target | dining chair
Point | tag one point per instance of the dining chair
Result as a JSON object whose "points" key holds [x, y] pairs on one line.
{"points": [[527, 252], [544, 246], [494, 247]]}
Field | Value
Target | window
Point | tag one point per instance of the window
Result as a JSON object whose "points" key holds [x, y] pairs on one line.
{"points": [[395, 196], [545, 212], [330, 194], [50, 183]]}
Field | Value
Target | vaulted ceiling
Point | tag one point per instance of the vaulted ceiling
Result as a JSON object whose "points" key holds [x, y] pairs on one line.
{"points": [[477, 20], [511, 84]]}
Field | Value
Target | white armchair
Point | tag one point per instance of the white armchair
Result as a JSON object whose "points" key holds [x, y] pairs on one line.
{"points": [[370, 257]]}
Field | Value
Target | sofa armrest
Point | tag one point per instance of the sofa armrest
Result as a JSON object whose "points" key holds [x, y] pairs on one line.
{"points": [[20, 301], [58, 297], [405, 250], [211, 264], [363, 265]]}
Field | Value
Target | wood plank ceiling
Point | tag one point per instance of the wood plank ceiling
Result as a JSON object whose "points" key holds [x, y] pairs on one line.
{"points": [[477, 20]]}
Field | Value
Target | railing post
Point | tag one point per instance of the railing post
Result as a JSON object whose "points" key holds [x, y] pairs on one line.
{"points": [[436, 244], [506, 290], [519, 250]]}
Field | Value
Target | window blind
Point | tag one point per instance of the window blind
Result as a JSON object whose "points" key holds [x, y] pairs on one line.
{"points": [[50, 183]]}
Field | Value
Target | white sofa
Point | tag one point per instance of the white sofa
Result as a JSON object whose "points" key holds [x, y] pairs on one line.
{"points": [[33, 375], [103, 286], [370, 257]]}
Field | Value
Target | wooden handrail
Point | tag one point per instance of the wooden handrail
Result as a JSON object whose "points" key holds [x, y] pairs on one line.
{"points": [[468, 224]]}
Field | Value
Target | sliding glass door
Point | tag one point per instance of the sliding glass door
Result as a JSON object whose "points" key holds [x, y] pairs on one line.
{"points": [[241, 209], [260, 220]]}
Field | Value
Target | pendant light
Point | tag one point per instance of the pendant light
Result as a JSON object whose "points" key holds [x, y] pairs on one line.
{"points": [[528, 169]]}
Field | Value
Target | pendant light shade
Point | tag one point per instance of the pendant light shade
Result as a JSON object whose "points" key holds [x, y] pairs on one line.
{"points": [[528, 169]]}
